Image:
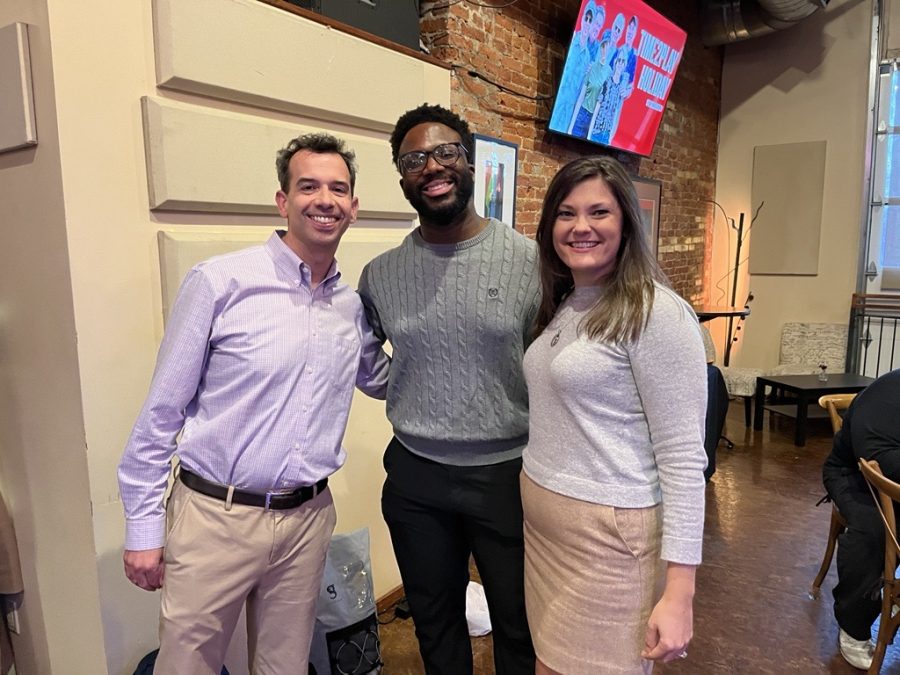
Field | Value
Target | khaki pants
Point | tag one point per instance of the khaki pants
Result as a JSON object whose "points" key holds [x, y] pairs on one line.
{"points": [[217, 560]]}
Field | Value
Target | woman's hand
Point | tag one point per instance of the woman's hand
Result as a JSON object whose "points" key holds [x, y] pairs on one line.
{"points": [[671, 623]]}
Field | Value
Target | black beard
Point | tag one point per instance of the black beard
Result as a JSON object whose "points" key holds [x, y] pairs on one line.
{"points": [[445, 214]]}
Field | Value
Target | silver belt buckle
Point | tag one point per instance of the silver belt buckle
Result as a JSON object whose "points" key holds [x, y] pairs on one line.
{"points": [[275, 493]]}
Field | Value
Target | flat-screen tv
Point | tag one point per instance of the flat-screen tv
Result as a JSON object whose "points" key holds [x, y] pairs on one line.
{"points": [[617, 75]]}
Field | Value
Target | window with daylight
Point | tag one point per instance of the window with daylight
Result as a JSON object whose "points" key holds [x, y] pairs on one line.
{"points": [[883, 259]]}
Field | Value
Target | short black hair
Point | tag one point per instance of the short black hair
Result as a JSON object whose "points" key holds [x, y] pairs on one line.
{"points": [[430, 113], [319, 143]]}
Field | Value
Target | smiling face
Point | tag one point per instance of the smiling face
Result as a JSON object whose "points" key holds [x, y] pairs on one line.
{"points": [[597, 25], [618, 67], [318, 205], [587, 231], [439, 194], [631, 31], [618, 28], [586, 27], [604, 52]]}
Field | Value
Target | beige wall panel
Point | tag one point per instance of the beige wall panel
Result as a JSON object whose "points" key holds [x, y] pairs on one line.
{"points": [[805, 84], [179, 251], [200, 159], [245, 51], [17, 127], [787, 190]]}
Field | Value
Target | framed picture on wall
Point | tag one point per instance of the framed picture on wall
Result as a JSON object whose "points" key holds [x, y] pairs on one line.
{"points": [[649, 192], [496, 167]]}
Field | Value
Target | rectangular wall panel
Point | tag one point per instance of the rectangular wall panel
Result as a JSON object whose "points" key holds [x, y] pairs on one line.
{"points": [[200, 159], [180, 251], [789, 183], [250, 52], [17, 127]]}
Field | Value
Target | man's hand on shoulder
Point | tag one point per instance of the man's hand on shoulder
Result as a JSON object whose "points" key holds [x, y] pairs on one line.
{"points": [[145, 569]]}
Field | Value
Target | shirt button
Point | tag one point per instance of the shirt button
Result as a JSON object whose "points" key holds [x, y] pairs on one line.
{"points": [[309, 369], [297, 282], [296, 446]]}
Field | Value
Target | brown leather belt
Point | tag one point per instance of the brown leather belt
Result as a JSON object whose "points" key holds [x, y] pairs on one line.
{"points": [[278, 501]]}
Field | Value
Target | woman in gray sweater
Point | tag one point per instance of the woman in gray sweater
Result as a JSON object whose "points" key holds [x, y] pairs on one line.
{"points": [[612, 484]]}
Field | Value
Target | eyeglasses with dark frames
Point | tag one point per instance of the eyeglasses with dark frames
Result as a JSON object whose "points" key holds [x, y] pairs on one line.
{"points": [[445, 154]]}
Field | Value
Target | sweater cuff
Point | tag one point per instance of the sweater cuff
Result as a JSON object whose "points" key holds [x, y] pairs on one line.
{"points": [[682, 551], [145, 533]]}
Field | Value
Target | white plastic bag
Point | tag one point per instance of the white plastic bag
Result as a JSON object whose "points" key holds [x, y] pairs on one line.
{"points": [[345, 640], [477, 615]]}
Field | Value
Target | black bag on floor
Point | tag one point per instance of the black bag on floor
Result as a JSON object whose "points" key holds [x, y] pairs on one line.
{"points": [[355, 649], [145, 667]]}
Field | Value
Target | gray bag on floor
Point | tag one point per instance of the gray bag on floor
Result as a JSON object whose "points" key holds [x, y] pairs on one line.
{"points": [[345, 641]]}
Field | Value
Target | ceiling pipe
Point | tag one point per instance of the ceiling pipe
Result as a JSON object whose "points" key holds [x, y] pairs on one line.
{"points": [[726, 21]]}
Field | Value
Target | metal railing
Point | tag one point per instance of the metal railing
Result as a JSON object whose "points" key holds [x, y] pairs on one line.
{"points": [[872, 344]]}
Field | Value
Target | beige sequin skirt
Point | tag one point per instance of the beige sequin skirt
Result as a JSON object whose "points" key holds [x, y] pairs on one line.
{"points": [[592, 576]]}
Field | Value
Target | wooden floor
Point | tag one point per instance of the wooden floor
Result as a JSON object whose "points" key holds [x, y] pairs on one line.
{"points": [[764, 541]]}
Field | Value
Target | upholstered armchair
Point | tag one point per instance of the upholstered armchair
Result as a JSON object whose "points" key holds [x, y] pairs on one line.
{"points": [[803, 347], [741, 383]]}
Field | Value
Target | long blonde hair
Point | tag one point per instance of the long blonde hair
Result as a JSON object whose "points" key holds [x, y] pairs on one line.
{"points": [[621, 313]]}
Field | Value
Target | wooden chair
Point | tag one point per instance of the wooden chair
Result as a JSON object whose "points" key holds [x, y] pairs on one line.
{"points": [[834, 404], [886, 492]]}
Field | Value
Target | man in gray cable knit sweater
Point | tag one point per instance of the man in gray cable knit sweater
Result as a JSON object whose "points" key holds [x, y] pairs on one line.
{"points": [[456, 300]]}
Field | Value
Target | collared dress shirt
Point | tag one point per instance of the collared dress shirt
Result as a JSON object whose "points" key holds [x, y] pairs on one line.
{"points": [[256, 371]]}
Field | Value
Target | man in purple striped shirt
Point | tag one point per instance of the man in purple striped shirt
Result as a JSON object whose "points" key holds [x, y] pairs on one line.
{"points": [[256, 371]]}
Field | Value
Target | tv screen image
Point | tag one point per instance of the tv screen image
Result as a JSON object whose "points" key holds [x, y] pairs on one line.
{"points": [[617, 75]]}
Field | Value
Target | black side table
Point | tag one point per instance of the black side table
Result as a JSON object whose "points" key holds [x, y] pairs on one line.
{"points": [[808, 389]]}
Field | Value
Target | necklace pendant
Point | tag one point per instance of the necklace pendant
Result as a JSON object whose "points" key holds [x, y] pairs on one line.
{"points": [[555, 338]]}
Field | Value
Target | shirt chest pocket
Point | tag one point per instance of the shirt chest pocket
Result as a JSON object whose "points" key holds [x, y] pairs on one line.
{"points": [[344, 361]]}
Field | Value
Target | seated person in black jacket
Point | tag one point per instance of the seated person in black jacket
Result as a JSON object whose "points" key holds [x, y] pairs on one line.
{"points": [[871, 430]]}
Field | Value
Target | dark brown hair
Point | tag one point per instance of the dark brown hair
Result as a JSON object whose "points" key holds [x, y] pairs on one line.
{"points": [[621, 313], [319, 143]]}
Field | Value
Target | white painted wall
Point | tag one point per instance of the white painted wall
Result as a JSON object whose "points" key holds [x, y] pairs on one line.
{"points": [[808, 83]]}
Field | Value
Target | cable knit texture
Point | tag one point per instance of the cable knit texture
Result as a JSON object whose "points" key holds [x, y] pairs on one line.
{"points": [[458, 317], [623, 425]]}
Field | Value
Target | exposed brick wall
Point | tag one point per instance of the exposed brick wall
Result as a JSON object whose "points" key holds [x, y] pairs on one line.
{"points": [[522, 46]]}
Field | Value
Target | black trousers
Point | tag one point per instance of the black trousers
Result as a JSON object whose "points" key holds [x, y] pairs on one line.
{"points": [[438, 515], [860, 554]]}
